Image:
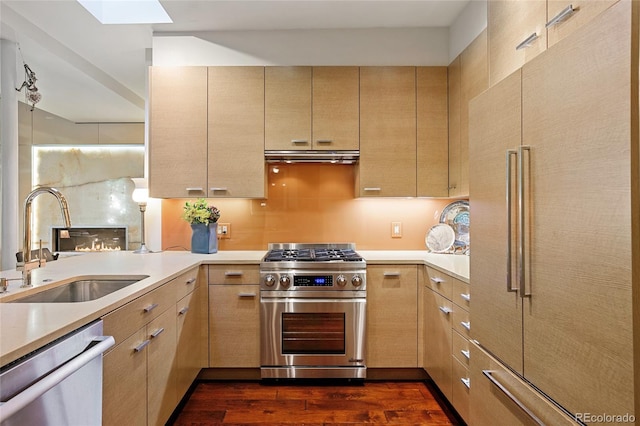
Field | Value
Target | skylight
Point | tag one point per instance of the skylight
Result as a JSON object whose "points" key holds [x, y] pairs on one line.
{"points": [[127, 11]]}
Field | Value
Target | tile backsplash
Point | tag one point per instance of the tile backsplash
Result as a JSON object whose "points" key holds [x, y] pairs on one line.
{"points": [[311, 203]]}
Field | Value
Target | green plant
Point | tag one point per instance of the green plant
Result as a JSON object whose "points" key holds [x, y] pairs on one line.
{"points": [[200, 212]]}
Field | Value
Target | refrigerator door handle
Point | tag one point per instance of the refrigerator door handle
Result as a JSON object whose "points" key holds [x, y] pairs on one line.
{"points": [[510, 153], [521, 221]]}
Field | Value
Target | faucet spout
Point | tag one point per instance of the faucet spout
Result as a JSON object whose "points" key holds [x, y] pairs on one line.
{"points": [[28, 263]]}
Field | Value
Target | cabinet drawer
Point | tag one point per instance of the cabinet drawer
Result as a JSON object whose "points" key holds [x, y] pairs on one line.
{"points": [[234, 274], [185, 283], [461, 322], [461, 295], [460, 348], [124, 321], [460, 389], [440, 282]]}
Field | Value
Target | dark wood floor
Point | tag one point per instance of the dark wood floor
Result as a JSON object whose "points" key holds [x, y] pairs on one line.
{"points": [[253, 403]]}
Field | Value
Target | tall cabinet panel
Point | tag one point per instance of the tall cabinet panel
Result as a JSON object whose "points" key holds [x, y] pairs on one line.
{"points": [[178, 132], [563, 235], [576, 119], [236, 132], [495, 127], [387, 165]]}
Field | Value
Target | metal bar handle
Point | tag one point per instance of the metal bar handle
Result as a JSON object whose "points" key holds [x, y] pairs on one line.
{"points": [[27, 396], [247, 294], [233, 274], [141, 346], [324, 141], [151, 307], [527, 41], [528, 412], [183, 310], [466, 381], [466, 296], [218, 188], [194, 188], [157, 332], [445, 310], [391, 274], [437, 280], [371, 188], [466, 325], [564, 14], [466, 354], [297, 141], [510, 153], [190, 281], [521, 224]]}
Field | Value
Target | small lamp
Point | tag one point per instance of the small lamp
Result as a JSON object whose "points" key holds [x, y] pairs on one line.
{"points": [[141, 196]]}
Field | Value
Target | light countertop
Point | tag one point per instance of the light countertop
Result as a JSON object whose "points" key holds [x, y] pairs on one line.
{"points": [[25, 327]]}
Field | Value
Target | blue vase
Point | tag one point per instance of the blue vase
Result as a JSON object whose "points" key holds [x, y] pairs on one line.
{"points": [[204, 238]]}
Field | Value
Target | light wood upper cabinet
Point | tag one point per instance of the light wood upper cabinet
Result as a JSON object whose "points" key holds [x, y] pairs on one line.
{"points": [[387, 166], [236, 132], [287, 94], [432, 132], [510, 23], [468, 77], [336, 110], [583, 12], [178, 132]]}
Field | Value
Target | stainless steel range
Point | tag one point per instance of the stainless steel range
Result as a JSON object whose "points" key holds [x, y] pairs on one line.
{"points": [[312, 311]]}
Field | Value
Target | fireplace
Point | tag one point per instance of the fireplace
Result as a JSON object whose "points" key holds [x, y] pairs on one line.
{"points": [[89, 238]]}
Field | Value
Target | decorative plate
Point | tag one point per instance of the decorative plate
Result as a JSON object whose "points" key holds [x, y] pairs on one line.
{"points": [[456, 215], [440, 238]]}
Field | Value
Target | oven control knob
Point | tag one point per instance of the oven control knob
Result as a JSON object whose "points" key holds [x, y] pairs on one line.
{"points": [[285, 281], [269, 281], [341, 280], [356, 281]]}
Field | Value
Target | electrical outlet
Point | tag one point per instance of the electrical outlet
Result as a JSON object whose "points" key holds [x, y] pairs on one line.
{"points": [[396, 229], [224, 231]]}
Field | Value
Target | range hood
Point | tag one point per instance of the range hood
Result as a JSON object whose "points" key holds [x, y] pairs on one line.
{"points": [[331, 157]]}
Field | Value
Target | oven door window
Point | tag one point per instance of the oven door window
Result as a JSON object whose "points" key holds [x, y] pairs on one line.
{"points": [[313, 333]]}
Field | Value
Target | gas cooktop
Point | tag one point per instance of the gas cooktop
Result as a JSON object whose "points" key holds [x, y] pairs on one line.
{"points": [[295, 252]]}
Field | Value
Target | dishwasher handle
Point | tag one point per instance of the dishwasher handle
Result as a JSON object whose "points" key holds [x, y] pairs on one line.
{"points": [[19, 401]]}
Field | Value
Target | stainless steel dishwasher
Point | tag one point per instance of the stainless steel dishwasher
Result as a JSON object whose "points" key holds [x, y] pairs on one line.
{"points": [[59, 384]]}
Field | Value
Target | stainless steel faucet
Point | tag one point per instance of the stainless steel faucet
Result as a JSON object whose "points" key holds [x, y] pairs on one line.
{"points": [[27, 263]]}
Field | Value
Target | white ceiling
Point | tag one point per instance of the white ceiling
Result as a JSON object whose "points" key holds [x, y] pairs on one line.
{"points": [[89, 72]]}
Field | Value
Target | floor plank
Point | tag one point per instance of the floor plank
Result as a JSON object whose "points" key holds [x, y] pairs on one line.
{"points": [[252, 403]]}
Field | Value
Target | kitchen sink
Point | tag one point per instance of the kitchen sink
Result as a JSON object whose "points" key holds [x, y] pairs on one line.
{"points": [[82, 290]]}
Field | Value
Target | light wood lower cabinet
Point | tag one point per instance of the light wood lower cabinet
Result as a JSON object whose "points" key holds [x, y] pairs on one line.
{"points": [[392, 316], [446, 336], [151, 367], [234, 316]]}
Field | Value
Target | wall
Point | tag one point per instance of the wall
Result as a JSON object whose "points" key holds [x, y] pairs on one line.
{"points": [[467, 26], [311, 203]]}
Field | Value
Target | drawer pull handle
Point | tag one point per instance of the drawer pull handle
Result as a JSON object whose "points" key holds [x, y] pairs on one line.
{"points": [[372, 189], [151, 307], [183, 310], [218, 189], [527, 41], [489, 375], [299, 141], [466, 381], [466, 325], [194, 188], [565, 13], [324, 141], [466, 354], [141, 346], [437, 280], [445, 310], [392, 274], [233, 274], [157, 332], [247, 294], [466, 296], [190, 281]]}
